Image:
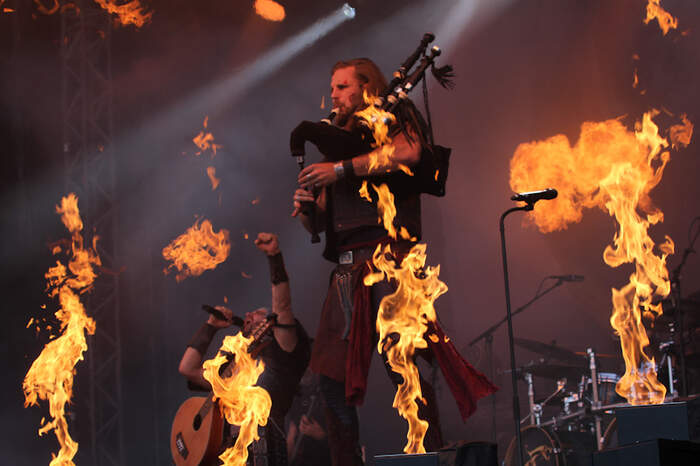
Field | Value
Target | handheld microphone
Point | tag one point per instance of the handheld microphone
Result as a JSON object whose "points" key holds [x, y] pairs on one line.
{"points": [[568, 278], [235, 320], [533, 196]]}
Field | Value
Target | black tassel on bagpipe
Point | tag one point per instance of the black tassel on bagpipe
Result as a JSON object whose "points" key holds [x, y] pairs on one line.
{"points": [[444, 76]]}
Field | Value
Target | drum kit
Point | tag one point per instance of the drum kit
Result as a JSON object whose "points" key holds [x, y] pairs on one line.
{"points": [[576, 418]]}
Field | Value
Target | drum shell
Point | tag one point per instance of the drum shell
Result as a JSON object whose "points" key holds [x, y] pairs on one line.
{"points": [[548, 447]]}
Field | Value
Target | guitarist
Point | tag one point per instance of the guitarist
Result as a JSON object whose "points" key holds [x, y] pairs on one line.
{"points": [[285, 353]]}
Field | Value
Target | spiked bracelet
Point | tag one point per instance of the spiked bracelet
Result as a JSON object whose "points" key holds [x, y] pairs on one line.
{"points": [[201, 340], [278, 273]]}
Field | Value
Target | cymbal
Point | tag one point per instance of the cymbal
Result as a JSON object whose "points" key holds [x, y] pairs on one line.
{"points": [[551, 351], [554, 371]]}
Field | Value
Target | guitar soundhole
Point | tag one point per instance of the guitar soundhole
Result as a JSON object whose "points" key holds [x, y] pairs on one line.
{"points": [[197, 422]]}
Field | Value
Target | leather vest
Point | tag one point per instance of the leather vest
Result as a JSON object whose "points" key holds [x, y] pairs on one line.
{"points": [[348, 211]]}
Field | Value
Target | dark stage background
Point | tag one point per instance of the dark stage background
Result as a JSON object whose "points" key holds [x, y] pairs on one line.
{"points": [[526, 70]]}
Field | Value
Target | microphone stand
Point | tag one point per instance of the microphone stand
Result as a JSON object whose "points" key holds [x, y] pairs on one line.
{"points": [[487, 336], [509, 318], [676, 299]]}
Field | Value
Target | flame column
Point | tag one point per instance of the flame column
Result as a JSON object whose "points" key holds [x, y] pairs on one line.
{"points": [[90, 173]]}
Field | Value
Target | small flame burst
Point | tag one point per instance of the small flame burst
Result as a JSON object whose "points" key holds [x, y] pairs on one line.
{"points": [[406, 314], [269, 9], [197, 250], [205, 140], [211, 173], [5, 9], [379, 121], [665, 19], [50, 376], [128, 13], [241, 402], [386, 208], [614, 169]]}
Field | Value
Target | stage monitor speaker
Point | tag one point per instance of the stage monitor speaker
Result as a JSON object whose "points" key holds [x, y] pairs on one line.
{"points": [[458, 454], [659, 452], [678, 420]]}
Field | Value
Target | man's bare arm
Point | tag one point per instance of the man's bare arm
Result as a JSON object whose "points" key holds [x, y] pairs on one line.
{"points": [[405, 154], [281, 295], [191, 362]]}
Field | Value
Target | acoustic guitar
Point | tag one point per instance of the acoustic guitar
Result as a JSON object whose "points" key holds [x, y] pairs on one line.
{"points": [[198, 427]]}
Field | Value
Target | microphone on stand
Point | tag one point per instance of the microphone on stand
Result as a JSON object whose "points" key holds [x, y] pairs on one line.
{"points": [[568, 278], [533, 196], [235, 320]]}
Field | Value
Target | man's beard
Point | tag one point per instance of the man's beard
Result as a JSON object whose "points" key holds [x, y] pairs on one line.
{"points": [[342, 119], [344, 115]]}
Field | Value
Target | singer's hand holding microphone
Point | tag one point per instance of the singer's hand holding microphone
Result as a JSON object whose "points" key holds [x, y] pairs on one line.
{"points": [[220, 316]]}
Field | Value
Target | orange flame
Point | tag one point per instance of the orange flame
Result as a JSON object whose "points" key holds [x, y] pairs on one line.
{"points": [[406, 313], [241, 402], [128, 13], [403, 316], [50, 376], [211, 173], [379, 121], [386, 208], [614, 169], [205, 141], [197, 250], [270, 10], [665, 19]]}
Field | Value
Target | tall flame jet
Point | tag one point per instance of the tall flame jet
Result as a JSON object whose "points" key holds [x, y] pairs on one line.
{"points": [[241, 402], [50, 376], [403, 317], [613, 169]]}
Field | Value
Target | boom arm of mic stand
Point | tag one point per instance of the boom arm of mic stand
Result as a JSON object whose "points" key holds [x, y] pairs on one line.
{"points": [[495, 326]]}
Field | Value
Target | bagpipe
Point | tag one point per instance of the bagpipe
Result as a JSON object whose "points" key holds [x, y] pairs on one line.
{"points": [[338, 144]]}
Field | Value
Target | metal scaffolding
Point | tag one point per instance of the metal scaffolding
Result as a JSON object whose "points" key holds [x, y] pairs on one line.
{"points": [[90, 173]]}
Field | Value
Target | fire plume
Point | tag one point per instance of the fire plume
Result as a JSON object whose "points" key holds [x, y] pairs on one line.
{"points": [[50, 376], [665, 19], [402, 320], [613, 169], [197, 250], [205, 140], [241, 402], [128, 13]]}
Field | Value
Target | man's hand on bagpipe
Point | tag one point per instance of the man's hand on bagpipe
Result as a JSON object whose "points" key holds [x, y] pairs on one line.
{"points": [[317, 175]]}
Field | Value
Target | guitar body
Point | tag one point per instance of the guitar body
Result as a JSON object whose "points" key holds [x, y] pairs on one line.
{"points": [[198, 427], [197, 433]]}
